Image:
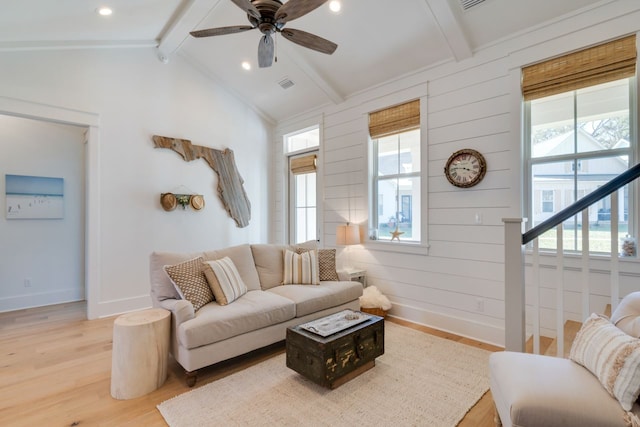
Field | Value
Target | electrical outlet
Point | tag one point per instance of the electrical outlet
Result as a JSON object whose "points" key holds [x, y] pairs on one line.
{"points": [[479, 305], [27, 282]]}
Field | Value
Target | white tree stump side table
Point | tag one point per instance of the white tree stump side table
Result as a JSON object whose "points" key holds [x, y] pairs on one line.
{"points": [[140, 352]]}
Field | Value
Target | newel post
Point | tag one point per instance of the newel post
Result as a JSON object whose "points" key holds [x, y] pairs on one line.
{"points": [[514, 302]]}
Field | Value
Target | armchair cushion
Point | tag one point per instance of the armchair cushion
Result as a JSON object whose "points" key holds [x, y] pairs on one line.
{"points": [[627, 315], [612, 356], [533, 390]]}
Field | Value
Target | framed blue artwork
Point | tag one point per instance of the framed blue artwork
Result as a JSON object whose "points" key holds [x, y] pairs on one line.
{"points": [[34, 197]]}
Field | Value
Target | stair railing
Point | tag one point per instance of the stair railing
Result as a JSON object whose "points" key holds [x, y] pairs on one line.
{"points": [[515, 243]]}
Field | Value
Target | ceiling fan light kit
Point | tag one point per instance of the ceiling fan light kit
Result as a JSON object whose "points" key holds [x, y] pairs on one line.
{"points": [[270, 17]]}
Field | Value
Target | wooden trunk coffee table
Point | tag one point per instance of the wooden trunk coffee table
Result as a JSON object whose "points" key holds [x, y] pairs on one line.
{"points": [[332, 360]]}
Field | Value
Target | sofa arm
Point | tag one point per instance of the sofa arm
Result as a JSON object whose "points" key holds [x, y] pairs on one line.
{"points": [[181, 310]]}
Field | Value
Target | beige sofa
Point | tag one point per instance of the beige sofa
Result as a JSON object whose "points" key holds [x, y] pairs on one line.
{"points": [[258, 318], [533, 390]]}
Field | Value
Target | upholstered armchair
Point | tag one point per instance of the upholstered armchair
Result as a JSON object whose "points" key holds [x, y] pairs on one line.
{"points": [[596, 386]]}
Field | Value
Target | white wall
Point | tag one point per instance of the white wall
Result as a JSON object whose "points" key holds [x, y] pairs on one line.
{"points": [[459, 285], [47, 252], [135, 97]]}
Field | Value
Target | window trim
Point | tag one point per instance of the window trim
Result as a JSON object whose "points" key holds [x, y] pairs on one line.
{"points": [[632, 152], [292, 206], [289, 209], [414, 248]]}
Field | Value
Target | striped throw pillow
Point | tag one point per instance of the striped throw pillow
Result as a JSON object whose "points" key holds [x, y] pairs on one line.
{"points": [[224, 280], [612, 356], [301, 269]]}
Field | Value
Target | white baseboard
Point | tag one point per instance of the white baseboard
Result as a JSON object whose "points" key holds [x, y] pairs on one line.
{"points": [[103, 309], [478, 331], [124, 305], [20, 302]]}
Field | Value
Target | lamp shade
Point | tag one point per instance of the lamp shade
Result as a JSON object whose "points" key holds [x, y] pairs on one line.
{"points": [[347, 235]]}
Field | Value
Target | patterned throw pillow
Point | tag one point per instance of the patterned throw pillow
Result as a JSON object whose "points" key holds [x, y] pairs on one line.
{"points": [[300, 269], [224, 280], [327, 264], [190, 282], [612, 356]]}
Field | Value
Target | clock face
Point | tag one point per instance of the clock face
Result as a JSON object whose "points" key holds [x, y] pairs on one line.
{"points": [[465, 168]]}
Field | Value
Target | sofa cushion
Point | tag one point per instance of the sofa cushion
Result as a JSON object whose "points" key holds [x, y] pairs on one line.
{"points": [[161, 285], [535, 390], [190, 282], [300, 268], [224, 280], [310, 299], [242, 258], [254, 310], [269, 262], [612, 356]]}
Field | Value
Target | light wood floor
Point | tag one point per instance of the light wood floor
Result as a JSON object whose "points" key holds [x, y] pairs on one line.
{"points": [[55, 371]]}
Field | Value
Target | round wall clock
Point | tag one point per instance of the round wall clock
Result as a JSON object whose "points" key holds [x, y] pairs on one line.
{"points": [[465, 168]]}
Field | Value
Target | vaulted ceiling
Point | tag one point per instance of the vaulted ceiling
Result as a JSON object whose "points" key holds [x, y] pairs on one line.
{"points": [[378, 40]]}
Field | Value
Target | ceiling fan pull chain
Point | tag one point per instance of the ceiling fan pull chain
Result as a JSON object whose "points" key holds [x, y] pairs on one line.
{"points": [[276, 56]]}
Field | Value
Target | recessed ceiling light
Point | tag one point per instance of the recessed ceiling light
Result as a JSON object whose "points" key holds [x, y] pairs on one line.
{"points": [[104, 11], [335, 6], [246, 65]]}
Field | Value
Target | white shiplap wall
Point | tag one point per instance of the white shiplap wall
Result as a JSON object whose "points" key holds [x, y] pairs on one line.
{"points": [[459, 285]]}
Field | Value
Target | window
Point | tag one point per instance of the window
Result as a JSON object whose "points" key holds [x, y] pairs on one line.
{"points": [[396, 173], [547, 201], [579, 137], [303, 212]]}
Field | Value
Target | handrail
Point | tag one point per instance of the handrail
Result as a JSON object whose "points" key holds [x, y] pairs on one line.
{"points": [[615, 184]]}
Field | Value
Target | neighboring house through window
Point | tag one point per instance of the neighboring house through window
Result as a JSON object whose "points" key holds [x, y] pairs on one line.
{"points": [[579, 137]]}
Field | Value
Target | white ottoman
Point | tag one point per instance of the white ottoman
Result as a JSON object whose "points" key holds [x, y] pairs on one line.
{"points": [[140, 352]]}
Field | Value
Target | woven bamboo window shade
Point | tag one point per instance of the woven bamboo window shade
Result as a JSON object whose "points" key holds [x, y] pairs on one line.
{"points": [[396, 119], [592, 66], [305, 164]]}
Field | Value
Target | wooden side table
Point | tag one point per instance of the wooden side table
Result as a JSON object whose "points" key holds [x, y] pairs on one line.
{"points": [[140, 352]]}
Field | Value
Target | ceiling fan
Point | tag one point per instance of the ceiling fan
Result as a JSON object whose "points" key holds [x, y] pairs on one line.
{"points": [[270, 17]]}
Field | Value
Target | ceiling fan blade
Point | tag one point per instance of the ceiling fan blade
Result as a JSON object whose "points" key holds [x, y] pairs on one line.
{"points": [[296, 8], [309, 40], [248, 7], [221, 31], [265, 51]]}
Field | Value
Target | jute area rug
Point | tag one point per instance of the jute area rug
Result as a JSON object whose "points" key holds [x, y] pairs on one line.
{"points": [[421, 380]]}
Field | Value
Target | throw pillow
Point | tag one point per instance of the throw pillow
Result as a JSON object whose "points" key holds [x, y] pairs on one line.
{"points": [[327, 264], [224, 280], [612, 356], [190, 282], [301, 268]]}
